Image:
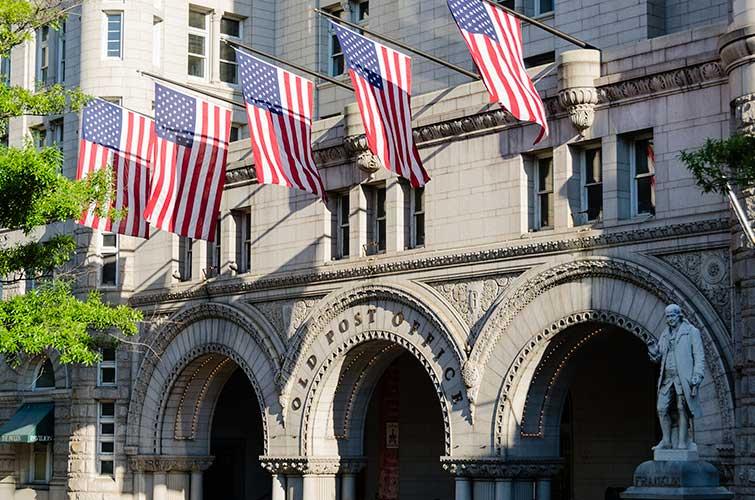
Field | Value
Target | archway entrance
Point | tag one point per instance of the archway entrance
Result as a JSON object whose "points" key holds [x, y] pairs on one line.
{"points": [[608, 419], [403, 437], [236, 443]]}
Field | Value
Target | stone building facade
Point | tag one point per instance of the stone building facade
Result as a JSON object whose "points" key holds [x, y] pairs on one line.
{"points": [[482, 339]]}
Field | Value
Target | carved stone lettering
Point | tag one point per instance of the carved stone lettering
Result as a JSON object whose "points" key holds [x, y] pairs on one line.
{"points": [[449, 374], [343, 325], [329, 336], [357, 318], [428, 340], [303, 382], [371, 314], [398, 318], [296, 404], [312, 362]]}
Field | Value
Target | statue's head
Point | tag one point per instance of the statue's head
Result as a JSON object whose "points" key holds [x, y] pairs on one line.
{"points": [[674, 315]]}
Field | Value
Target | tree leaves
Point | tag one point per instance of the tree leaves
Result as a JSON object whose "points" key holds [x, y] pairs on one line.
{"points": [[722, 161]]}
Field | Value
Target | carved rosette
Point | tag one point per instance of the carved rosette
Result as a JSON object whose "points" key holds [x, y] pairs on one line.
{"points": [[580, 104], [497, 468], [316, 466], [169, 463]]}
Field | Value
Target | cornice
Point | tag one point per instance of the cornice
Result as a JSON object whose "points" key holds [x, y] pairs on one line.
{"points": [[495, 120], [367, 269]]}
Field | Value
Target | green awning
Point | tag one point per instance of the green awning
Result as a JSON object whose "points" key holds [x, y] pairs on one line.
{"points": [[32, 422]]}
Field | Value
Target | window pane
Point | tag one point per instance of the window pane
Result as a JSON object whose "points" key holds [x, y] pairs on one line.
{"points": [[593, 170], [345, 241], [545, 209], [108, 354], [234, 134], [106, 467], [419, 200], [594, 201], [644, 156], [109, 265], [45, 376], [109, 240], [545, 178], [40, 463], [107, 409], [344, 209], [196, 44], [363, 12], [381, 203], [107, 375], [107, 428], [114, 35], [230, 27], [381, 235], [107, 447], [545, 6], [197, 19], [228, 73], [196, 66], [227, 53], [645, 198], [419, 223]]}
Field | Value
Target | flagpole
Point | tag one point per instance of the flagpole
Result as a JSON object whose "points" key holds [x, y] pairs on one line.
{"points": [[295, 66], [543, 26], [145, 115], [419, 52], [189, 87]]}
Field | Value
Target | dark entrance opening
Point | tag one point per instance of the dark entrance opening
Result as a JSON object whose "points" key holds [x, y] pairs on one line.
{"points": [[608, 419], [403, 438], [236, 444]]}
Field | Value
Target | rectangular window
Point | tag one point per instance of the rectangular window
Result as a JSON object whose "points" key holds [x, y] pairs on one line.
{"points": [[342, 225], [592, 183], [106, 368], [114, 38], [56, 134], [40, 467], [43, 53], [507, 3], [61, 56], [543, 7], [643, 176], [377, 221], [39, 137], [198, 35], [543, 193], [335, 52], [238, 132], [106, 437], [417, 197], [109, 252], [5, 70], [213, 253], [185, 256], [230, 29], [360, 11], [243, 241]]}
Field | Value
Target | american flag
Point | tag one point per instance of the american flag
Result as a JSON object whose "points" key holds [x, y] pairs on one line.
{"points": [[111, 135], [494, 38], [279, 109], [382, 80], [189, 164]]}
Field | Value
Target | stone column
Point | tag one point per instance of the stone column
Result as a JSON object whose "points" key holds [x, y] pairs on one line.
{"points": [[279, 487], [182, 472], [577, 71], [483, 489], [159, 486], [195, 486], [357, 221], [463, 488], [543, 489], [504, 489], [394, 210], [737, 50]]}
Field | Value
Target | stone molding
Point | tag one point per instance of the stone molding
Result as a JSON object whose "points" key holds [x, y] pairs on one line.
{"points": [[493, 121], [507, 310], [737, 47], [500, 468], [317, 466], [369, 269], [169, 463]]}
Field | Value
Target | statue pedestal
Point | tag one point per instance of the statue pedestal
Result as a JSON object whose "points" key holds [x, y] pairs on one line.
{"points": [[676, 479]]}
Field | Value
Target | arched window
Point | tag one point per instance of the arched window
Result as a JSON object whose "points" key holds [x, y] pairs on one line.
{"points": [[44, 378]]}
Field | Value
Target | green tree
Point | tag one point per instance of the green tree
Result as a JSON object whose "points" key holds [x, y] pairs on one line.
{"points": [[35, 193], [722, 163]]}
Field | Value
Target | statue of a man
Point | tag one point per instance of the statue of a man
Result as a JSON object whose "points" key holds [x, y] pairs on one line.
{"points": [[680, 352]]}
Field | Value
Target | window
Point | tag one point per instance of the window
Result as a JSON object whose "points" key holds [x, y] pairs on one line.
{"points": [[106, 368], [44, 377], [238, 132], [40, 466], [106, 437], [5, 70], [43, 53], [114, 34], [30, 280], [230, 28], [184, 258], [342, 231], [507, 3], [592, 183], [60, 71], [39, 137], [335, 52], [543, 193], [376, 232], [543, 7], [360, 11], [213, 253], [198, 35], [643, 176], [243, 241], [109, 253], [417, 207], [157, 40], [56, 134], [540, 59]]}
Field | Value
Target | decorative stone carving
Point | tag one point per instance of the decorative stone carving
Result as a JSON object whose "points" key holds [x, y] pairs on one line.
{"points": [[368, 162], [313, 465], [169, 463], [473, 298], [370, 270], [710, 271], [744, 113], [577, 72], [496, 468], [286, 315]]}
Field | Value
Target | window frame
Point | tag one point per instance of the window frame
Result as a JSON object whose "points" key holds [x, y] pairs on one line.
{"points": [[414, 214], [106, 37], [341, 224], [584, 185], [537, 222], [37, 370], [634, 177], [43, 54], [205, 34], [222, 36], [109, 251], [105, 438], [48, 463], [185, 256], [106, 365], [375, 219], [538, 6], [244, 240], [214, 252], [332, 41]]}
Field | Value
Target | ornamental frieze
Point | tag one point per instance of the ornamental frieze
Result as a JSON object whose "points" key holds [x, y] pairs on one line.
{"points": [[286, 315], [169, 463], [497, 467]]}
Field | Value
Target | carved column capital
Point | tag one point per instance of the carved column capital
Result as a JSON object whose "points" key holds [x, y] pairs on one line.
{"points": [[318, 466], [577, 72], [169, 463], [501, 468]]}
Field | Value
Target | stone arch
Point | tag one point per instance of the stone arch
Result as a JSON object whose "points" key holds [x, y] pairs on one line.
{"points": [[388, 319], [620, 292], [198, 342]]}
